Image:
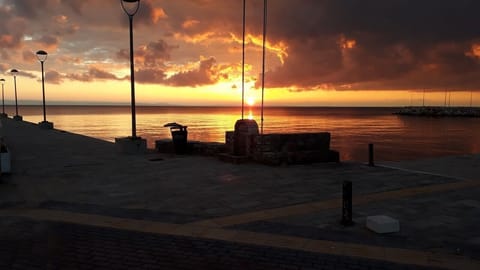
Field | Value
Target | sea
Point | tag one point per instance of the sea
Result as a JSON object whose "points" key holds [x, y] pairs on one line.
{"points": [[395, 137]]}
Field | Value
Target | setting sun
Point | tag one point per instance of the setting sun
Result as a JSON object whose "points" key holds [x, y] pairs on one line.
{"points": [[250, 101]]}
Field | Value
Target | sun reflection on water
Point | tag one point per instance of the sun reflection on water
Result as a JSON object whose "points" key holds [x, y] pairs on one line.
{"points": [[395, 138]]}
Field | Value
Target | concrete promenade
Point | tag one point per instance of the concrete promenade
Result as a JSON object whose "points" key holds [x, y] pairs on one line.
{"points": [[73, 202]]}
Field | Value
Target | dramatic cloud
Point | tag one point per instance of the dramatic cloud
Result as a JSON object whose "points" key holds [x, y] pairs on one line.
{"points": [[93, 74], [311, 45], [205, 74], [53, 77], [150, 75], [77, 5], [394, 44], [12, 30], [29, 56], [150, 15], [49, 41], [29, 9], [154, 54]]}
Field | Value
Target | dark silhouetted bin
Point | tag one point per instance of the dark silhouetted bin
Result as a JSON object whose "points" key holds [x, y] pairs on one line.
{"points": [[179, 137]]}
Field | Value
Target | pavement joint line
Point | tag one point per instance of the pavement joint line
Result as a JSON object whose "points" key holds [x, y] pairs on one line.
{"points": [[395, 255], [312, 207], [421, 172]]}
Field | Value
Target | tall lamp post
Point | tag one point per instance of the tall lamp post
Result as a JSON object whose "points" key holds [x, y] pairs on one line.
{"points": [[131, 7], [3, 115], [132, 144], [16, 117], [42, 57]]}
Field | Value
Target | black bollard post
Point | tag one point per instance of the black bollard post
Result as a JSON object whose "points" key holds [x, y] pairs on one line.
{"points": [[370, 155], [347, 204]]}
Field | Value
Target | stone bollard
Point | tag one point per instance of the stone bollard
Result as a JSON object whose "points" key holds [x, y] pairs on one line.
{"points": [[370, 155], [347, 204]]}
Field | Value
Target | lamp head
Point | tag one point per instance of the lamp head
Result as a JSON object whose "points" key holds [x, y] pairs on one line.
{"points": [[42, 55], [2, 81], [130, 6], [14, 72]]}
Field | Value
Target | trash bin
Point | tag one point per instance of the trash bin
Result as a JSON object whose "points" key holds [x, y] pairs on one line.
{"points": [[179, 137]]}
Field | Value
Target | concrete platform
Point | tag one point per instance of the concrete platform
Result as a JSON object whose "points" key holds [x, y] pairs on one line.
{"points": [[60, 180]]}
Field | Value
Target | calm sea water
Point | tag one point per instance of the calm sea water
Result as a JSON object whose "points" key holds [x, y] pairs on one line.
{"points": [[395, 137]]}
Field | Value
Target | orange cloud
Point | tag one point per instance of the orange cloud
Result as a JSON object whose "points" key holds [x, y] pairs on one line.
{"points": [[93, 74], [347, 43], [158, 14], [207, 73], [190, 23], [474, 51], [280, 49], [60, 19], [197, 38], [7, 40]]}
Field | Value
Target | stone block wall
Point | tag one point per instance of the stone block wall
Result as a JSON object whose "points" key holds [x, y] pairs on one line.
{"points": [[273, 149], [294, 148]]}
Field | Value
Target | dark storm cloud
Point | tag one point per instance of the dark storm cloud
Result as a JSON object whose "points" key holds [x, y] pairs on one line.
{"points": [[54, 77], [49, 40], [77, 5], [329, 44], [205, 74], [92, 74], [154, 54], [398, 44], [28, 8], [150, 75], [12, 30]]}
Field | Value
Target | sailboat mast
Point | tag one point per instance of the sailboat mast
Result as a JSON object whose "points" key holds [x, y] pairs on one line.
{"points": [[243, 61], [471, 98], [263, 60]]}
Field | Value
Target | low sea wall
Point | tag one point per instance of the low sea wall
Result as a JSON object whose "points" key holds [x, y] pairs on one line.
{"points": [[272, 149], [294, 148]]}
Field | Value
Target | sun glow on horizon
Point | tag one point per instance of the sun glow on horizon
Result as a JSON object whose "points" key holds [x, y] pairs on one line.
{"points": [[250, 101]]}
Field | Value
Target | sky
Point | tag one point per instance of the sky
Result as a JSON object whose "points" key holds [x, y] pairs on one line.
{"points": [[189, 52]]}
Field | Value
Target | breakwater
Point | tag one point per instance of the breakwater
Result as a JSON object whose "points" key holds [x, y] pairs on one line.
{"points": [[439, 111]]}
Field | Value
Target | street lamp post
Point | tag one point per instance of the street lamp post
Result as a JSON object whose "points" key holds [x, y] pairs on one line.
{"points": [[42, 57], [16, 116], [132, 144], [3, 115], [131, 7]]}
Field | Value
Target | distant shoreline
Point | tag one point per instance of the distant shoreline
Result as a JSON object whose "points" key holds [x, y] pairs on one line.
{"points": [[204, 106], [437, 111]]}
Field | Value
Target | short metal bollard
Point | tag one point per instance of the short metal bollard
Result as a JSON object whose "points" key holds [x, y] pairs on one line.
{"points": [[370, 155], [347, 204]]}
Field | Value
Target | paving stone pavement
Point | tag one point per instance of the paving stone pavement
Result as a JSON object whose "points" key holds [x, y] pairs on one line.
{"points": [[127, 196], [451, 225], [29, 244]]}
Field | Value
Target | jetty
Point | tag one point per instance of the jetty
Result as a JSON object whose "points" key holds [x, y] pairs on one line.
{"points": [[75, 202], [438, 111]]}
